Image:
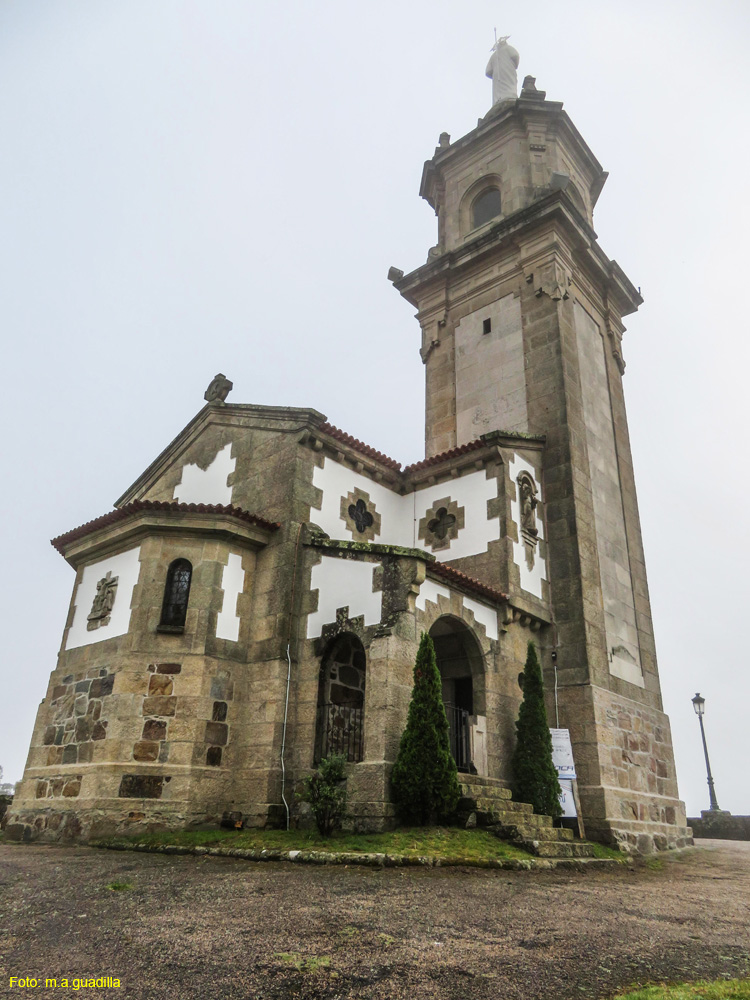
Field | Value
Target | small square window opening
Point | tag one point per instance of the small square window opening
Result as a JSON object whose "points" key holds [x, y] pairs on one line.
{"points": [[487, 326]]}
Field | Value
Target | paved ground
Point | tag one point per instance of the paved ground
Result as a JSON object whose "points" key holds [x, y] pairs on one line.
{"points": [[220, 928]]}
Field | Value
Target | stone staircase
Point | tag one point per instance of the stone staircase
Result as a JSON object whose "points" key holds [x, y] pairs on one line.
{"points": [[495, 811]]}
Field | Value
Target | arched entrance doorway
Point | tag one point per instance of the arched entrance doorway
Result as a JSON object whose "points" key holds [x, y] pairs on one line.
{"points": [[341, 700], [461, 665]]}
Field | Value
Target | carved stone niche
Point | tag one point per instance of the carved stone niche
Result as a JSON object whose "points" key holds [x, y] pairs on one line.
{"points": [[101, 609], [527, 503], [361, 516], [441, 524]]}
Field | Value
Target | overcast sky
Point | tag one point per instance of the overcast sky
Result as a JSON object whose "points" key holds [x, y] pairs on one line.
{"points": [[193, 186]]}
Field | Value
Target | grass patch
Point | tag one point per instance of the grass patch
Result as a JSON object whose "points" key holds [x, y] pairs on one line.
{"points": [[653, 863], [312, 964], [120, 886], [723, 989], [446, 842], [609, 853]]}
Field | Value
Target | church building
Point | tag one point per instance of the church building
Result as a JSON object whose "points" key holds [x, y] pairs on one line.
{"points": [[255, 600]]}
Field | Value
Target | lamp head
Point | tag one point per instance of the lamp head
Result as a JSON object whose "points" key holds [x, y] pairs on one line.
{"points": [[699, 704]]}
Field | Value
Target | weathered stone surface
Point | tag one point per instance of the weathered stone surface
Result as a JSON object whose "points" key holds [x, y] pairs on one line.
{"points": [[160, 684], [146, 750], [222, 688], [217, 733], [102, 686], [141, 786], [158, 705], [154, 729], [168, 668]]}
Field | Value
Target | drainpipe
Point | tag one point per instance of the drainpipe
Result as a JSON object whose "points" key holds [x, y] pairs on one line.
{"points": [[551, 609], [288, 678]]}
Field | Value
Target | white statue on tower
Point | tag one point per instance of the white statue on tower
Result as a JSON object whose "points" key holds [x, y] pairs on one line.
{"points": [[502, 68]]}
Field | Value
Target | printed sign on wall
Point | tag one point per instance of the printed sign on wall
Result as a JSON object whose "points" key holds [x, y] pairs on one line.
{"points": [[562, 758], [562, 754]]}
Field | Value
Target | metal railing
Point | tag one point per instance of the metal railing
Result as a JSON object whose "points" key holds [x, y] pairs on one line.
{"points": [[458, 726], [340, 730]]}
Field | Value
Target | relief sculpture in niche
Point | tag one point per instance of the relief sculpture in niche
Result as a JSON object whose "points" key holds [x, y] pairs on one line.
{"points": [[101, 609], [528, 500]]}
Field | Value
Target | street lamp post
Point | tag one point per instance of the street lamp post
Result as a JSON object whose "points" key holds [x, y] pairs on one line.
{"points": [[699, 704]]}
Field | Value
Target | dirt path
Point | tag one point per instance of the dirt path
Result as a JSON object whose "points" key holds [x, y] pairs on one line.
{"points": [[219, 928]]}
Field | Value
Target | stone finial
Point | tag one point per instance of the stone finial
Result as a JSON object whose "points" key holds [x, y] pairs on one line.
{"points": [[218, 390], [502, 69], [530, 91]]}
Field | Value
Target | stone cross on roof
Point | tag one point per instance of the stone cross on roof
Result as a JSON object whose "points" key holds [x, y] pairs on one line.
{"points": [[218, 390]]}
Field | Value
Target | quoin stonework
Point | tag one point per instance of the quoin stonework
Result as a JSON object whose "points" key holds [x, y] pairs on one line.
{"points": [[255, 600]]}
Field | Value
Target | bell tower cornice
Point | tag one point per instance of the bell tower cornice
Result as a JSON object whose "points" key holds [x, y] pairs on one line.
{"points": [[550, 225]]}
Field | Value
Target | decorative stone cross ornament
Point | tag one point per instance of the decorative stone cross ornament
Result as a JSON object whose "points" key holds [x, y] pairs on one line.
{"points": [[101, 609], [361, 516], [442, 523], [218, 390]]}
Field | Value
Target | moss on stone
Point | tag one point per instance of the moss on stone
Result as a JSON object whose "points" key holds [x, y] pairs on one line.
{"points": [[370, 548]]}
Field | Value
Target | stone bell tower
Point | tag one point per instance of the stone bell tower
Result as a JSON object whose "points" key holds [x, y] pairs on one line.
{"points": [[522, 320]]}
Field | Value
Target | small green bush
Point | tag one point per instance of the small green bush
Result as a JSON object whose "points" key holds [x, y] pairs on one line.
{"points": [[324, 791], [424, 781], [534, 775]]}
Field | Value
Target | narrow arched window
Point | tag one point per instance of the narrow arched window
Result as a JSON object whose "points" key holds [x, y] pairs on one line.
{"points": [[485, 207], [176, 593], [341, 700]]}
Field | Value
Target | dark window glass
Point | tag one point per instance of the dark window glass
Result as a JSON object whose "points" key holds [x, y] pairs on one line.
{"points": [[176, 593], [486, 207]]}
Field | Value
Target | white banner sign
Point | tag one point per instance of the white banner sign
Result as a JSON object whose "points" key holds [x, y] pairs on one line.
{"points": [[562, 754], [567, 801]]}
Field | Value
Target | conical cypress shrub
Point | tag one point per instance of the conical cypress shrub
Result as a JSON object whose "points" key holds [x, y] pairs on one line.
{"points": [[424, 781], [534, 774]]}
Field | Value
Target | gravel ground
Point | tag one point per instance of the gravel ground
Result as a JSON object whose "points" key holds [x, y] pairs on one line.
{"points": [[221, 928]]}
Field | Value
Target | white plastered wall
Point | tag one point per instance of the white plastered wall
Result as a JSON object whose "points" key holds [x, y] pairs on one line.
{"points": [[232, 583], [337, 481], [400, 515], [614, 561], [484, 614], [343, 583], [431, 591], [531, 579], [490, 374], [208, 486], [126, 567]]}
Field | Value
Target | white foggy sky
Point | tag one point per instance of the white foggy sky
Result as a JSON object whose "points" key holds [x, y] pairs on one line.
{"points": [[193, 186]]}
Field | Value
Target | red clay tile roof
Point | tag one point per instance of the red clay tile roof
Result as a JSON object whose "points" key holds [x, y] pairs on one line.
{"points": [[453, 453], [469, 582], [138, 505], [360, 446]]}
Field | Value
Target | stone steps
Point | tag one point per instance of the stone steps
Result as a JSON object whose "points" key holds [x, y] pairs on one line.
{"points": [[557, 848], [490, 804]]}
